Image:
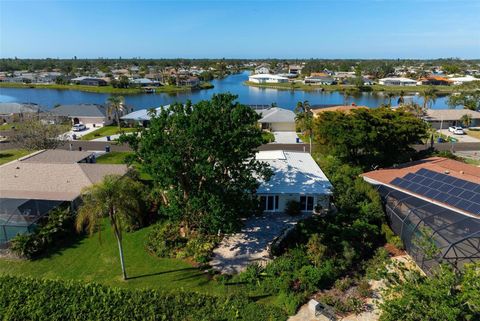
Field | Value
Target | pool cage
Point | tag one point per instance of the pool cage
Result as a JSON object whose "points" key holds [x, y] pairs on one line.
{"points": [[431, 233], [20, 216]]}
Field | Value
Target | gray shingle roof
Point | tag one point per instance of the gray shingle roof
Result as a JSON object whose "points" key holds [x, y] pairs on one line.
{"points": [[276, 115], [16, 108], [57, 156], [81, 110]]}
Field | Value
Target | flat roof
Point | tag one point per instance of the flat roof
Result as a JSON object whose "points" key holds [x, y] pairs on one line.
{"points": [[293, 173]]}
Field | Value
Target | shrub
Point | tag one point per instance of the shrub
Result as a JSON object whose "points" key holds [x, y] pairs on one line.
{"points": [[343, 284], [164, 240], [315, 249], [199, 247], [293, 208], [290, 302], [56, 226], [391, 238], [364, 290], [29, 299]]}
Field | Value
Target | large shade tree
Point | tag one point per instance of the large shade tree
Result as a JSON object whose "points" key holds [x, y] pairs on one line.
{"points": [[116, 198], [469, 100], [202, 162]]}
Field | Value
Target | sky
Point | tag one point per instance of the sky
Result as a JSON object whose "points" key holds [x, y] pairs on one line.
{"points": [[240, 29]]}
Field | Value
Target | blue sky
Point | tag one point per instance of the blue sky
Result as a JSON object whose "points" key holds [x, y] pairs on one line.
{"points": [[240, 29]]}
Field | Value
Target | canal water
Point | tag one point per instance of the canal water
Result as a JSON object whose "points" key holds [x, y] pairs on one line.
{"points": [[233, 84]]}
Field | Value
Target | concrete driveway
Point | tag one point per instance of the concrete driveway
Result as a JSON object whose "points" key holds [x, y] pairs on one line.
{"points": [[250, 245], [69, 134], [461, 138], [285, 137]]}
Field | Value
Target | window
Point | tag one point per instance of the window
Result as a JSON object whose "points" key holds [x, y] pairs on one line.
{"points": [[306, 203], [269, 203]]}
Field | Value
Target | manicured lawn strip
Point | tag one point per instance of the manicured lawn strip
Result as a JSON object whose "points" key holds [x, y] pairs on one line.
{"points": [[9, 155], [104, 89], [376, 88], [114, 158], [106, 131], [90, 260], [473, 133]]}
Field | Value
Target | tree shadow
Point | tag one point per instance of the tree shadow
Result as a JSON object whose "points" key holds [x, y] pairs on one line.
{"points": [[71, 242], [160, 273]]}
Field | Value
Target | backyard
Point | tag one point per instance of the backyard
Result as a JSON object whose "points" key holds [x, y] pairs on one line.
{"points": [[9, 155]]}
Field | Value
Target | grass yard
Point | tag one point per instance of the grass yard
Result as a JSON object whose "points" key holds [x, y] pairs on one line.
{"points": [[9, 155], [107, 131], [114, 158], [474, 133], [90, 260]]}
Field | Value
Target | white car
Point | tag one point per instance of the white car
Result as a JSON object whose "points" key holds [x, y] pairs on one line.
{"points": [[78, 127], [457, 130]]}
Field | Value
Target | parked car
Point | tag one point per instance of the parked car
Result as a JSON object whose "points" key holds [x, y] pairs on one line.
{"points": [[457, 130], [79, 127]]}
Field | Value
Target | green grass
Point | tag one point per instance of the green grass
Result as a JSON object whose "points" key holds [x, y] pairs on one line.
{"points": [[9, 155], [375, 88], [114, 158], [304, 137], [473, 133], [104, 89], [90, 260], [106, 131]]}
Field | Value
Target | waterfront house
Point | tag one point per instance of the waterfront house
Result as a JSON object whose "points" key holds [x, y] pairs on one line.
{"points": [[397, 81], [267, 79], [12, 112], [36, 184], [444, 118], [434, 201], [319, 80], [317, 110], [462, 80], [434, 81], [295, 69], [262, 69], [88, 114], [89, 81], [296, 177], [277, 119]]}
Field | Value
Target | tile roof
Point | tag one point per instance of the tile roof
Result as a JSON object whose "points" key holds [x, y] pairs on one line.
{"points": [[294, 173]]}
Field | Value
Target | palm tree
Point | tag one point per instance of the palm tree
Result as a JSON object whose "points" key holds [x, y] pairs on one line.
{"points": [[401, 99], [413, 108], [389, 97], [429, 96], [304, 116], [116, 106], [466, 120], [117, 198]]}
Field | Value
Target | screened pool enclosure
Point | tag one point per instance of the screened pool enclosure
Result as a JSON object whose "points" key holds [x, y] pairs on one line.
{"points": [[20, 216], [432, 234]]}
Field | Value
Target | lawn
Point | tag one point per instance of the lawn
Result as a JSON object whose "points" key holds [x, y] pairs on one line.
{"points": [[114, 158], [90, 260], [107, 131], [474, 133], [9, 155]]}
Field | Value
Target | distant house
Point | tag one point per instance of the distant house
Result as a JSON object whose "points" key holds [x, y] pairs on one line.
{"points": [[11, 112], [89, 81], [319, 80], [277, 119], [435, 81], [35, 185], [296, 177], [267, 79], [397, 81], [462, 80], [191, 81], [295, 69], [444, 118], [144, 82], [345, 109], [87, 114], [262, 69], [142, 116]]}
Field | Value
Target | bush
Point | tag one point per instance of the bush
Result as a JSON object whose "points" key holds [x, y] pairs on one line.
{"points": [[290, 302], [57, 226], [391, 238], [29, 299], [293, 208]]}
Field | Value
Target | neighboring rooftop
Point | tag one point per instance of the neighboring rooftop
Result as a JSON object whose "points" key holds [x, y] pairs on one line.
{"points": [[56, 156], [449, 114], [293, 173], [81, 110], [17, 108], [342, 108], [142, 114], [276, 115]]}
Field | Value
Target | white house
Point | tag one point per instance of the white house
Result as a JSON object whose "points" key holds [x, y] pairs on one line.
{"points": [[277, 119], [267, 79], [296, 176], [462, 80], [397, 81], [262, 69]]}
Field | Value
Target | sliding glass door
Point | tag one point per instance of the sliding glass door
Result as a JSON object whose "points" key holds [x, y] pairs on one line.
{"points": [[306, 203], [269, 203]]}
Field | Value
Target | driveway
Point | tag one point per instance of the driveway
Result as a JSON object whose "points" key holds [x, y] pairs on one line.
{"points": [[461, 138], [285, 137], [250, 245], [80, 134]]}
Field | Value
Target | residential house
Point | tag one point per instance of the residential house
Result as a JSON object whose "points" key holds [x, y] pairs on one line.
{"points": [[35, 185], [191, 81], [267, 79], [434, 81], [11, 112], [319, 80], [434, 206], [463, 80], [87, 114], [317, 110], [277, 119], [296, 177], [262, 69], [142, 116], [444, 118], [397, 81], [89, 81], [144, 82], [295, 69]]}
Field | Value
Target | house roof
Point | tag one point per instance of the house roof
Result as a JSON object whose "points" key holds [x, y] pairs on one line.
{"points": [[267, 76], [56, 156], [401, 79], [293, 173], [449, 114], [276, 115], [341, 108], [81, 110], [142, 81], [440, 165], [437, 78], [51, 181], [16, 108], [142, 114]]}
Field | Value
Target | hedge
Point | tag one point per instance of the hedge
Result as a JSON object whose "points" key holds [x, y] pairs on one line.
{"points": [[36, 299]]}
